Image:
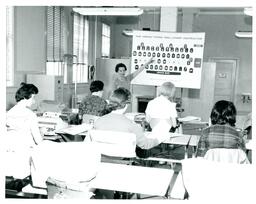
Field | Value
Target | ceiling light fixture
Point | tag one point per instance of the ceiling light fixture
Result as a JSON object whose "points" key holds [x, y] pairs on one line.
{"points": [[128, 32], [113, 11], [248, 11], [243, 34]]}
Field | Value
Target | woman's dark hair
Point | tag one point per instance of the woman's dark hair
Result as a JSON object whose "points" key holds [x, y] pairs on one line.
{"points": [[25, 91], [223, 112], [120, 65], [96, 86], [118, 99]]}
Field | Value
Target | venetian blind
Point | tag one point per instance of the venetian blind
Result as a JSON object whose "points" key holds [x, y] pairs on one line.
{"points": [[55, 33]]}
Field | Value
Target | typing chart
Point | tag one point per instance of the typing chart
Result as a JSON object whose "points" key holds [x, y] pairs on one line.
{"points": [[178, 57]]}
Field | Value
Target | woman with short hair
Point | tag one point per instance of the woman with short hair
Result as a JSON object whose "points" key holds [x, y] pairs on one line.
{"points": [[21, 121], [222, 132]]}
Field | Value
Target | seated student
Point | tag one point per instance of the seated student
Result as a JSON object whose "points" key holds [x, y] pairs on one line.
{"points": [[21, 121], [222, 132], [162, 107], [94, 103], [115, 120]]}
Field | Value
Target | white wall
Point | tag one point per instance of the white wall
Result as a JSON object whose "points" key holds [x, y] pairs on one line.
{"points": [[30, 38]]}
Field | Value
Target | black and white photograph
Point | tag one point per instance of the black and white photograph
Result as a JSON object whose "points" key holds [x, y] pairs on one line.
{"points": [[131, 101]]}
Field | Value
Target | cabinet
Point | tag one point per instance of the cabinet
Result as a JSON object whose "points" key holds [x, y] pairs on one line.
{"points": [[50, 87]]}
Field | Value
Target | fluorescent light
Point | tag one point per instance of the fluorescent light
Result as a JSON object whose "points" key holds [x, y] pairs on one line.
{"points": [[248, 11], [243, 34], [128, 32], [114, 11]]}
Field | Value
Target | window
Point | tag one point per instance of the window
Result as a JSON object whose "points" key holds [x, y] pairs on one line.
{"points": [[80, 48], [10, 46], [55, 42], [105, 50]]}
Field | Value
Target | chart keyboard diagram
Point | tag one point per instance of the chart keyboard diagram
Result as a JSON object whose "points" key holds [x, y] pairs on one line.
{"points": [[178, 57]]}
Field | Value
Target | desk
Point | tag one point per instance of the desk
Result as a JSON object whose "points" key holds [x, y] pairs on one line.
{"points": [[179, 139], [194, 143], [74, 132], [176, 139], [134, 179], [126, 178]]}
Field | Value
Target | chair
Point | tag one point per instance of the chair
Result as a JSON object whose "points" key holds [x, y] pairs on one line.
{"points": [[206, 180], [61, 190], [115, 145], [194, 171], [227, 155], [70, 166], [16, 155]]}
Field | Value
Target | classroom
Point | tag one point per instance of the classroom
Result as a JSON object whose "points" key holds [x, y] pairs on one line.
{"points": [[128, 102]]}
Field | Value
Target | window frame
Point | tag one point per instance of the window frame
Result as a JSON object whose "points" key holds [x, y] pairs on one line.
{"points": [[81, 30], [10, 46], [105, 38]]}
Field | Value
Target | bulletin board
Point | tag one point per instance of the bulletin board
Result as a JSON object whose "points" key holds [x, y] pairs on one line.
{"points": [[178, 57]]}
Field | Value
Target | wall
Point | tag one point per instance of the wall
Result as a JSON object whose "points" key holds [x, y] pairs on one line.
{"points": [[224, 44], [29, 46], [30, 26], [30, 49], [220, 42]]}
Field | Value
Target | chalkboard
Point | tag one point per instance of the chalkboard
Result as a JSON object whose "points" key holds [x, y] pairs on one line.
{"points": [[178, 57]]}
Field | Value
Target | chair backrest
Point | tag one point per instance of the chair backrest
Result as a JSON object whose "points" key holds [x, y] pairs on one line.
{"points": [[227, 155], [208, 180], [114, 143], [70, 162]]}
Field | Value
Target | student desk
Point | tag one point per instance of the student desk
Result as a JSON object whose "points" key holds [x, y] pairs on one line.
{"points": [[74, 132], [177, 139], [194, 143], [125, 178], [134, 179]]}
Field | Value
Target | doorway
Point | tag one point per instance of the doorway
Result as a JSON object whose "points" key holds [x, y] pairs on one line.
{"points": [[225, 79]]}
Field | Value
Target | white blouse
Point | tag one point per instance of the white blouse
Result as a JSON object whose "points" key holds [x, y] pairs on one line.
{"points": [[161, 107], [22, 126]]}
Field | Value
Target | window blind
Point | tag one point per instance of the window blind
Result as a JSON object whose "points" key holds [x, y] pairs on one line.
{"points": [[55, 33]]}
